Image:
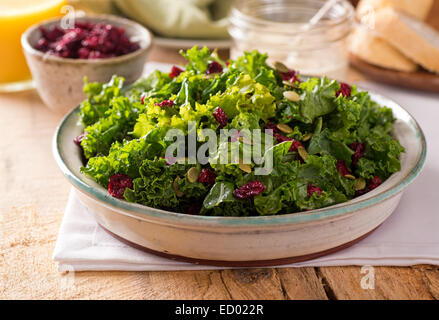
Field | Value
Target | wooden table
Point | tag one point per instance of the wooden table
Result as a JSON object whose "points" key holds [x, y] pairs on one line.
{"points": [[33, 195]]}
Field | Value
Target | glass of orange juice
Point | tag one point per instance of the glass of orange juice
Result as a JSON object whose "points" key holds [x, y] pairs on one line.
{"points": [[15, 17]]}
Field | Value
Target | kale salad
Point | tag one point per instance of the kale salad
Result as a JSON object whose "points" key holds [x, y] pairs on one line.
{"points": [[328, 142]]}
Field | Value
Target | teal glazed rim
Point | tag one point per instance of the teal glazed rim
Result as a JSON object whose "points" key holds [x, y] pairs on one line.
{"points": [[101, 195]]}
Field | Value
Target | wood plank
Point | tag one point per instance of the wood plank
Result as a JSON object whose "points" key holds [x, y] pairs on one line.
{"points": [[152, 285], [258, 283], [301, 284], [281, 283], [390, 283], [188, 285], [431, 279]]}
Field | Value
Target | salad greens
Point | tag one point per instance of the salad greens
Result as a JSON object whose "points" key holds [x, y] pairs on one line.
{"points": [[331, 144]]}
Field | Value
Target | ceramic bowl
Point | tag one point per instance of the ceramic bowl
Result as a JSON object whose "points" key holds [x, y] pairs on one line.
{"points": [[245, 241], [59, 81]]}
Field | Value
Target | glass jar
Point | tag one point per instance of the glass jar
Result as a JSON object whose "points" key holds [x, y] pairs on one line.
{"points": [[280, 28]]}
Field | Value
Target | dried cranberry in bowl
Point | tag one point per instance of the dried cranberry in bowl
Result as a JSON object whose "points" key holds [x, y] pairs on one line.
{"points": [[86, 41]]}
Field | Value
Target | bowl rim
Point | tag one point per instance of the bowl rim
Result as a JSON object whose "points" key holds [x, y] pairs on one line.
{"points": [[146, 34], [336, 211]]}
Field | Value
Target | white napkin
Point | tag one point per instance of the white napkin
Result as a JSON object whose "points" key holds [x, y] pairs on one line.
{"points": [[410, 236]]}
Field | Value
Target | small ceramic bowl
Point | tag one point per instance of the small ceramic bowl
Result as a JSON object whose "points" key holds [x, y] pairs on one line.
{"points": [[59, 81], [245, 241]]}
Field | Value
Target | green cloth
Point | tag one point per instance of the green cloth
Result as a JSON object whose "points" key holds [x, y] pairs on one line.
{"points": [[199, 19], [95, 6]]}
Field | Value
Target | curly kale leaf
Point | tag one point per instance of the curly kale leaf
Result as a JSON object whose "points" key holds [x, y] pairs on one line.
{"points": [[156, 83], [245, 95], [385, 152], [99, 96], [255, 64], [165, 186], [126, 158], [119, 120], [154, 187], [199, 59], [323, 144]]}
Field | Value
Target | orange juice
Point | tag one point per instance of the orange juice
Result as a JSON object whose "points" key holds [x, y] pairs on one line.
{"points": [[15, 17]]}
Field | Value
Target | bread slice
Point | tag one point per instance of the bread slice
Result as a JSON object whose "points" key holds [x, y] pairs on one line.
{"points": [[374, 50], [416, 8], [412, 37]]}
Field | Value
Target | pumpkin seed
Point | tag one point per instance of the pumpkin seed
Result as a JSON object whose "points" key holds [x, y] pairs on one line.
{"points": [[175, 187], [302, 152], [292, 96], [284, 128], [318, 126], [360, 184], [307, 136], [193, 174], [245, 140], [290, 84], [245, 167], [349, 176], [281, 67]]}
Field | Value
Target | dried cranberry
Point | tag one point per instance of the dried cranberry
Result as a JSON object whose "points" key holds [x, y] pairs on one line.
{"points": [[83, 53], [295, 145], [79, 138], [271, 126], [354, 145], [281, 138], [86, 41], [220, 116], [276, 133], [374, 182], [214, 67], [51, 34], [291, 75], [107, 47], [118, 183], [299, 158], [83, 25], [342, 168], [96, 55], [165, 103], [206, 176], [42, 45], [359, 148], [227, 63], [361, 192], [249, 190], [142, 99], [194, 208], [345, 90], [70, 43], [175, 71], [91, 42], [312, 188]]}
